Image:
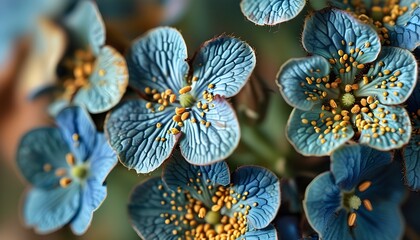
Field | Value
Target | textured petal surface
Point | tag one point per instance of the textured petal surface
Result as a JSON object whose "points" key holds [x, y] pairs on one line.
{"points": [[145, 208], [203, 145], [157, 60], [333, 33], [178, 172], [297, 80], [355, 163], [78, 130], [268, 233], [38, 149], [396, 69], [93, 195], [107, 83], [103, 159], [407, 35], [306, 139], [263, 188], [271, 12], [86, 26], [336, 227], [49, 210], [133, 134], [225, 62], [399, 125]]}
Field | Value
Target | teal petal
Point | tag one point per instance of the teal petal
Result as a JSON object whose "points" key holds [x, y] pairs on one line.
{"points": [[407, 35], [226, 63], [333, 33], [355, 163], [147, 202], [179, 174], [103, 159], [86, 26], [158, 60], [40, 153], [133, 133], [107, 83], [392, 76], [49, 210], [310, 135], [382, 138], [268, 233], [203, 144], [271, 12], [301, 84], [261, 189], [336, 227]]}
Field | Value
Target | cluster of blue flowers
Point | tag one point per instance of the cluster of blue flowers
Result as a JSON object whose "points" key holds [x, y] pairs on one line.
{"points": [[355, 99]]}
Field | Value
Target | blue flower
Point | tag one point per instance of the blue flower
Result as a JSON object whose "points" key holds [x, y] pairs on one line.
{"points": [[349, 89], [66, 167], [201, 202], [271, 12], [179, 102], [411, 152], [95, 75], [397, 21], [359, 198]]}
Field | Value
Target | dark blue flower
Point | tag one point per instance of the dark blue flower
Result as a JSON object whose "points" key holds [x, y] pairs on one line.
{"points": [[179, 102], [66, 167], [359, 198], [201, 202], [271, 12], [349, 89], [96, 74], [397, 21]]}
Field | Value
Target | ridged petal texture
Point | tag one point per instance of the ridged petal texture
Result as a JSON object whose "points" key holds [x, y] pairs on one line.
{"points": [[268, 233], [271, 12]]}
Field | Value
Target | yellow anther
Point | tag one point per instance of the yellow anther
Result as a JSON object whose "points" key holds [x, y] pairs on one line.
{"points": [[75, 137], [211, 85], [208, 124], [174, 131], [364, 186], [60, 172], [387, 72], [70, 159], [147, 90], [185, 116], [47, 167], [333, 104], [367, 204], [148, 105], [65, 182], [367, 44], [195, 78], [158, 125], [156, 96], [177, 118], [172, 98], [352, 219], [101, 72], [185, 90], [179, 111], [340, 52], [355, 109], [360, 66]]}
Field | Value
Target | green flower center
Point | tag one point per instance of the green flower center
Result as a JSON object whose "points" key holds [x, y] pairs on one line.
{"points": [[80, 172], [213, 217], [354, 202], [348, 99], [186, 100]]}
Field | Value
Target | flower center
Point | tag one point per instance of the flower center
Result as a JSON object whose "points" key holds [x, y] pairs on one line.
{"points": [[213, 217], [80, 171], [348, 99], [351, 202], [186, 100], [354, 202]]}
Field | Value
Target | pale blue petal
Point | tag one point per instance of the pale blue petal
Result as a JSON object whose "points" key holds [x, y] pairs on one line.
{"points": [[398, 122], [86, 26], [75, 120], [226, 63], [179, 174], [147, 202], [392, 76], [407, 35], [298, 84], [103, 159], [328, 31], [158, 60], [49, 210], [39, 149], [262, 191], [268, 233], [93, 195], [355, 163], [133, 134], [271, 12], [203, 145], [305, 138], [107, 83]]}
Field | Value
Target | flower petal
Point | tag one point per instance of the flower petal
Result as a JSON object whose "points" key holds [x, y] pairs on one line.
{"points": [[133, 133], [78, 130], [103, 159], [355, 163], [288, 227], [86, 26], [147, 202], [204, 143], [333, 33], [261, 189], [300, 81], [107, 83], [157, 60], [226, 63], [393, 130], [271, 12], [178, 173], [93, 195], [391, 78], [40, 152], [49, 210], [267, 233], [407, 35], [310, 135]]}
